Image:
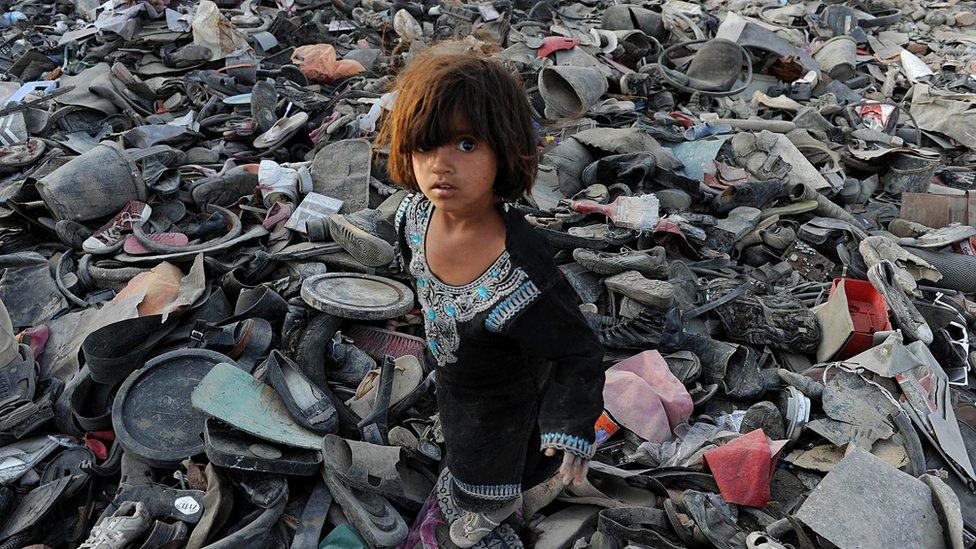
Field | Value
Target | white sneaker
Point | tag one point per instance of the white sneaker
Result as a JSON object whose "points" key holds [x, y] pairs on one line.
{"points": [[110, 237], [471, 527]]}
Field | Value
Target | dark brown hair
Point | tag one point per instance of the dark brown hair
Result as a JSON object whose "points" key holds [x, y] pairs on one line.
{"points": [[441, 85]]}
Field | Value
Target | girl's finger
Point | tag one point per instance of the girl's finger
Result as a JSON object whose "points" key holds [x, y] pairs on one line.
{"points": [[581, 471], [566, 469]]}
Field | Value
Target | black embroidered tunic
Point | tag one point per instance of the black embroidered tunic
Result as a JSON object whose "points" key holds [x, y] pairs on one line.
{"points": [[514, 356]]}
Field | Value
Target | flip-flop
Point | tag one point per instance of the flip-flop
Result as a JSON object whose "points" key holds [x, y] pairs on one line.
{"points": [[21, 456], [18, 379], [375, 427], [370, 513], [608, 487], [281, 131], [408, 374], [38, 503], [643, 525], [342, 170], [309, 528]]}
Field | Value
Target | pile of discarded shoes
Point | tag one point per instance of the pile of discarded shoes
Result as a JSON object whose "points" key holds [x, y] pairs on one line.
{"points": [[204, 345]]}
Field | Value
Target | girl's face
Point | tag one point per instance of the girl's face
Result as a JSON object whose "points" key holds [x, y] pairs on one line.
{"points": [[458, 176]]}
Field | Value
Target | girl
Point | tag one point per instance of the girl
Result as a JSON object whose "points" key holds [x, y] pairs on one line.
{"points": [[518, 370]]}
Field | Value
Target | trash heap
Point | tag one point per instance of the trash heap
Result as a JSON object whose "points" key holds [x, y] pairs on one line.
{"points": [[194, 352]]}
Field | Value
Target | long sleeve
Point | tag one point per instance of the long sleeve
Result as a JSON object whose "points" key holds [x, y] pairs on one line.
{"points": [[401, 250], [552, 328]]}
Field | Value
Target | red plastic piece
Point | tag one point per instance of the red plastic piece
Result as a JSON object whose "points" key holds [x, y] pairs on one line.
{"points": [[744, 467], [552, 44], [869, 313]]}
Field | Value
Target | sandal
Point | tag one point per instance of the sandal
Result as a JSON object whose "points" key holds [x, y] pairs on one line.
{"points": [[373, 467], [370, 513]]}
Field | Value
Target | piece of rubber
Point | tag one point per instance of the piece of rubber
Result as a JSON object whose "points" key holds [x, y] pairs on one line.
{"points": [[958, 270], [313, 517], [228, 447], [116, 350], [161, 501]]}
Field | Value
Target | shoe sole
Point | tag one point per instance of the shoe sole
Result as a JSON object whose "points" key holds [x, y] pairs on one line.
{"points": [[598, 266], [103, 250], [369, 250], [653, 298]]}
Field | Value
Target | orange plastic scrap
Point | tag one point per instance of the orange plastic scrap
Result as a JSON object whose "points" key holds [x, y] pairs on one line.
{"points": [[159, 287], [319, 63]]}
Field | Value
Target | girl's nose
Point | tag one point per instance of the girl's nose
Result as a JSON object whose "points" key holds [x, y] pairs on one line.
{"points": [[442, 161]]}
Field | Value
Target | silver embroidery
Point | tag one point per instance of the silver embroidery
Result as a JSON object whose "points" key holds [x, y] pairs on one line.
{"points": [[397, 223], [444, 305], [509, 307]]}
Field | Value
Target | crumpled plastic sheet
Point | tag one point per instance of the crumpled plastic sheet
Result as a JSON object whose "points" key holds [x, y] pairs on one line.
{"points": [[213, 30], [690, 443], [320, 63], [945, 114]]}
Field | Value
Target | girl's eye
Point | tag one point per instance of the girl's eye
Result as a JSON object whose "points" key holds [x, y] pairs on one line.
{"points": [[466, 145]]}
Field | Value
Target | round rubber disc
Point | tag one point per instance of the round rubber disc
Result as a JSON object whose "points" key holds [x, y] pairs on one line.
{"points": [[357, 296], [152, 415]]}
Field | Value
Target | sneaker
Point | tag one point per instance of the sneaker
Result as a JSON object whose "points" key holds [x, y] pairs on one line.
{"points": [[72, 233], [125, 526], [640, 332], [903, 311], [656, 293], [650, 263], [110, 237], [778, 320], [470, 527], [355, 232], [604, 233], [756, 194], [133, 246]]}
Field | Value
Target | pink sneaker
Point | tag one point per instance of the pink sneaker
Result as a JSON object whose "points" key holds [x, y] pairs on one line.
{"points": [[110, 237], [132, 245]]}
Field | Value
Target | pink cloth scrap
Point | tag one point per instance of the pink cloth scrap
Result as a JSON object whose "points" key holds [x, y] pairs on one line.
{"points": [[643, 395]]}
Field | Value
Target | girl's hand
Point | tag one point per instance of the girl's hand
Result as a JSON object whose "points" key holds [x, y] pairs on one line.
{"points": [[573, 468]]}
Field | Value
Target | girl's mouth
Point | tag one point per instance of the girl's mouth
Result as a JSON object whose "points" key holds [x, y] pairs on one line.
{"points": [[443, 190]]}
